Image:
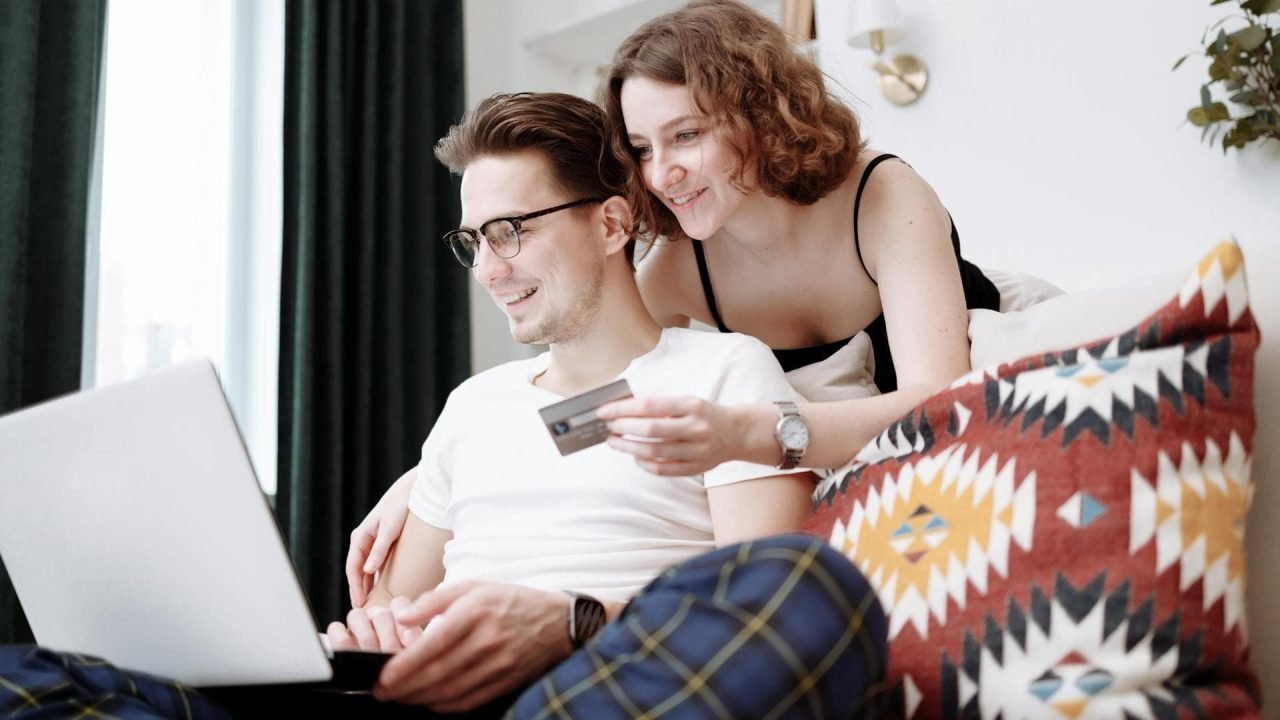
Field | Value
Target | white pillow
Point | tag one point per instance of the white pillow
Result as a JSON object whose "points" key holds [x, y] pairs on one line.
{"points": [[1019, 291], [1067, 320]]}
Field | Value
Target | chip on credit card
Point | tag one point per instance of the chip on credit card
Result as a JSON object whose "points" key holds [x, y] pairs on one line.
{"points": [[573, 423]]}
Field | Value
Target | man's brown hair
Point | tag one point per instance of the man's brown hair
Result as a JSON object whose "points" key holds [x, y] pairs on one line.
{"points": [[567, 130]]}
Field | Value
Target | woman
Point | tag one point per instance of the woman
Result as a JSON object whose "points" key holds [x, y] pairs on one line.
{"points": [[772, 219]]}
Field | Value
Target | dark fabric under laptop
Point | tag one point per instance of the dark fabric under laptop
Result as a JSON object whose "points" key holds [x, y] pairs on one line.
{"points": [[37, 682]]}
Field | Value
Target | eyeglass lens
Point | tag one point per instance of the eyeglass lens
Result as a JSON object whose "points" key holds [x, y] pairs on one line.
{"points": [[501, 235]]}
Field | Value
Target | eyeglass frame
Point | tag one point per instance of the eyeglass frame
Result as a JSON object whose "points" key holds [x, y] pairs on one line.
{"points": [[516, 221]]}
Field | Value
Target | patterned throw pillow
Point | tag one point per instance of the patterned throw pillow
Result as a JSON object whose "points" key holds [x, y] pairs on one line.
{"points": [[1062, 536]]}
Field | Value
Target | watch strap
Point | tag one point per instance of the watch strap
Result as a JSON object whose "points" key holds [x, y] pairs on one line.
{"points": [[790, 456], [586, 617]]}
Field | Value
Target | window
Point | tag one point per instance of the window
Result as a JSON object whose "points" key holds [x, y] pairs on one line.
{"points": [[189, 247]]}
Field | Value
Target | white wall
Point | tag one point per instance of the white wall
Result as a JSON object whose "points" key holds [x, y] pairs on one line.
{"points": [[1054, 134]]}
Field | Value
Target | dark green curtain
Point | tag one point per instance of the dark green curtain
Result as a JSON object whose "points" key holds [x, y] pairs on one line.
{"points": [[374, 328], [50, 62]]}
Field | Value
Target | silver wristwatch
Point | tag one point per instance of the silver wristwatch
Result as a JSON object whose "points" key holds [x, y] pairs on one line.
{"points": [[792, 434]]}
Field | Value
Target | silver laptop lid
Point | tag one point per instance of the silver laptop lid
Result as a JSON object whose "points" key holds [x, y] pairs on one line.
{"points": [[134, 529]]}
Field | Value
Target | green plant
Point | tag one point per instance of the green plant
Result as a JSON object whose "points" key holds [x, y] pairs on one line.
{"points": [[1245, 63]]}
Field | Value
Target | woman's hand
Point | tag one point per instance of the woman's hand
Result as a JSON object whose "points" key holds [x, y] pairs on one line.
{"points": [[678, 435], [372, 539]]}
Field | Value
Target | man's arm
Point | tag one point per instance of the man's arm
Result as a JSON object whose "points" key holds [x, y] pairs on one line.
{"points": [[415, 565], [758, 508]]}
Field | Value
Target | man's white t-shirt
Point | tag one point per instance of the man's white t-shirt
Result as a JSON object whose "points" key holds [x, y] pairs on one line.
{"points": [[592, 521]]}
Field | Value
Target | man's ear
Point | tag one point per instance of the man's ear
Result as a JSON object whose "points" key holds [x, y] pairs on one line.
{"points": [[617, 224]]}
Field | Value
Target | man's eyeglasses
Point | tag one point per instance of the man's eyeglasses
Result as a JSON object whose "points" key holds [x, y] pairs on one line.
{"points": [[502, 234]]}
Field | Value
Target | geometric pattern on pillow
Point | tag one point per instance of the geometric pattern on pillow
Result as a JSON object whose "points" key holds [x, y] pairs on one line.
{"points": [[1063, 535]]}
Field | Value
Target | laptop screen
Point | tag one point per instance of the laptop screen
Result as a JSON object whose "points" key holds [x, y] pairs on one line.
{"points": [[134, 529]]}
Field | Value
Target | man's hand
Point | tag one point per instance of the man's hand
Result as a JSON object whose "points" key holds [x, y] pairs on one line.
{"points": [[482, 640], [371, 541], [374, 629]]}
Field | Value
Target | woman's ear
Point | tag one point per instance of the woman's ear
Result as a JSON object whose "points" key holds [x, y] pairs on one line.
{"points": [[617, 223]]}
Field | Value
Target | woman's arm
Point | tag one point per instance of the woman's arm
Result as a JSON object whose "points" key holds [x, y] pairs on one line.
{"points": [[906, 243], [415, 566], [671, 435], [837, 430], [373, 539]]}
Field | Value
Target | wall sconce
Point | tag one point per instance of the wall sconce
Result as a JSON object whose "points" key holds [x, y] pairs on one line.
{"points": [[877, 24], [798, 21]]}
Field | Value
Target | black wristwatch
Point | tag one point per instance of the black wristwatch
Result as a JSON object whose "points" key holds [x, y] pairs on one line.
{"points": [[586, 617]]}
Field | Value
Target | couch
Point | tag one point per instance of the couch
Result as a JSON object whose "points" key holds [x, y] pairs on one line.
{"points": [[1061, 533]]}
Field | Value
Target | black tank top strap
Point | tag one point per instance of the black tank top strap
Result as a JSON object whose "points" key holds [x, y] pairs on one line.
{"points": [[706, 284], [857, 205]]}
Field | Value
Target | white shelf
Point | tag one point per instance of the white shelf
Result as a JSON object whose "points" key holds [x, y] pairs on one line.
{"points": [[591, 40]]}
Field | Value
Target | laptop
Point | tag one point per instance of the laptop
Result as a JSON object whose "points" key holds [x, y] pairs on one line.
{"points": [[134, 529]]}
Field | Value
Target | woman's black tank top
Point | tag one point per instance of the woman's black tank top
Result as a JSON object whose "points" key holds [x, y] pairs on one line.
{"points": [[979, 292]]}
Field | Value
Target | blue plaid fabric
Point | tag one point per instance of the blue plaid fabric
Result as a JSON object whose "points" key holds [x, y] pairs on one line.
{"points": [[36, 683], [783, 627]]}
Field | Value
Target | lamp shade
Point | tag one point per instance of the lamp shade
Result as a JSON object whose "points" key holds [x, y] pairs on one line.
{"points": [[868, 16]]}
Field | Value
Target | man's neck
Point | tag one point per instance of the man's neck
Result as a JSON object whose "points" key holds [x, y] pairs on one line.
{"points": [[622, 331]]}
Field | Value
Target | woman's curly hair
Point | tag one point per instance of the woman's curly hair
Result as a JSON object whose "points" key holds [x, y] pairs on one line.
{"points": [[770, 102]]}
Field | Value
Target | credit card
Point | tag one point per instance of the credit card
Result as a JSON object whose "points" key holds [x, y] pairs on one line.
{"points": [[573, 423]]}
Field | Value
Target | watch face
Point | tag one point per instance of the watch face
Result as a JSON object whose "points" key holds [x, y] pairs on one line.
{"points": [[794, 434]]}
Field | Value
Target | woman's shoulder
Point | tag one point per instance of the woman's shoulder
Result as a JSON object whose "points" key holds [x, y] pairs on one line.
{"points": [[891, 190], [877, 171], [897, 212]]}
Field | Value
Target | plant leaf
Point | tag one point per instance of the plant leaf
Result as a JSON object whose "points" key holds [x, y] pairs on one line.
{"points": [[1220, 68], [1250, 38], [1261, 7], [1217, 112], [1243, 133], [1180, 61], [1205, 97], [1244, 98], [1219, 43], [1198, 116], [1218, 2]]}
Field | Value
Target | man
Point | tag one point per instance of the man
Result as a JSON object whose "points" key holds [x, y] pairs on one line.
{"points": [[517, 555]]}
